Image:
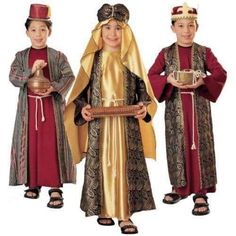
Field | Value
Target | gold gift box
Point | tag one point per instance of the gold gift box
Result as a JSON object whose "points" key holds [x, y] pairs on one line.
{"points": [[38, 83], [186, 77], [129, 110]]}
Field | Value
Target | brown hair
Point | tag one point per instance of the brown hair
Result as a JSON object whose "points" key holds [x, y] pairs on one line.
{"points": [[173, 22]]}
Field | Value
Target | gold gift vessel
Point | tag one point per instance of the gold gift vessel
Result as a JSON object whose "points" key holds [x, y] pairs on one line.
{"points": [[38, 83], [126, 110], [186, 77]]}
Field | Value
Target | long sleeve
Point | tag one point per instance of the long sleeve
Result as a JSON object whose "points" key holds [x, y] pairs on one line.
{"points": [[143, 96], [63, 84], [161, 88], [19, 75], [80, 102], [214, 82]]}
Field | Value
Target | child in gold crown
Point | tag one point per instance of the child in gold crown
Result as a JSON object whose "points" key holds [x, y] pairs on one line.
{"points": [[189, 135], [40, 154]]}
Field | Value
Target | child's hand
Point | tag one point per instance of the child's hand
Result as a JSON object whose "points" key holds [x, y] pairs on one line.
{"points": [[197, 84], [142, 112], [171, 80], [86, 114], [38, 64], [47, 92]]}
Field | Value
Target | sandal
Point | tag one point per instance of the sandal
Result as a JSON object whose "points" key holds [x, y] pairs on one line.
{"points": [[108, 221], [197, 205], [175, 198], [34, 193], [125, 228], [55, 199]]}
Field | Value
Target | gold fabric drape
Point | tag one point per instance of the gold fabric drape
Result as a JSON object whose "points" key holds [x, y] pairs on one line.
{"points": [[130, 58]]}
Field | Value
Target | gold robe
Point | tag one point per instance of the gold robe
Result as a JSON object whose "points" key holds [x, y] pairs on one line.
{"points": [[113, 146], [130, 58], [85, 138]]}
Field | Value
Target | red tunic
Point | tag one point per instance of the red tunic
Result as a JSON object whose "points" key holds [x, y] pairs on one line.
{"points": [[42, 144], [210, 90]]}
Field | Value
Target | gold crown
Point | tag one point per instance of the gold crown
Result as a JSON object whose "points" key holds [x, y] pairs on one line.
{"points": [[183, 12]]}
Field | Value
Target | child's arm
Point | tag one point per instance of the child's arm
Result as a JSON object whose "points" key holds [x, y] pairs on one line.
{"points": [[161, 88], [143, 100], [63, 84], [81, 103], [213, 83], [18, 74]]}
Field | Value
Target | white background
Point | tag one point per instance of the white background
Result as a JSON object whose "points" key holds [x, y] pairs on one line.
{"points": [[150, 20]]}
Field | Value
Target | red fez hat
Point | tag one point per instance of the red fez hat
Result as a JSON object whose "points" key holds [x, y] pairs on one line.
{"points": [[39, 12], [183, 12]]}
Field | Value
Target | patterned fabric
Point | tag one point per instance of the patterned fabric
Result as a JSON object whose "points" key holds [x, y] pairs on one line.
{"points": [[118, 12], [140, 194], [175, 126], [62, 77]]}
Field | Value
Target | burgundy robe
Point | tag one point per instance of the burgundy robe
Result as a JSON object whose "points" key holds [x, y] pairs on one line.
{"points": [[210, 90], [42, 148]]}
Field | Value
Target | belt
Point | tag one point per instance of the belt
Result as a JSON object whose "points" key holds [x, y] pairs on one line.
{"points": [[193, 146], [38, 98]]}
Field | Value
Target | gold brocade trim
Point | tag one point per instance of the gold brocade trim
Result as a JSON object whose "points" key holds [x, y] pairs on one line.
{"points": [[178, 93]]}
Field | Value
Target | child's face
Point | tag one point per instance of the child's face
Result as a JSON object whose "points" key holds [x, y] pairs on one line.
{"points": [[111, 36], [38, 33], [185, 30]]}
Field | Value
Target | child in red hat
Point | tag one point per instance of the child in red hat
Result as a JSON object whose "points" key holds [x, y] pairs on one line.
{"points": [[40, 154], [188, 90]]}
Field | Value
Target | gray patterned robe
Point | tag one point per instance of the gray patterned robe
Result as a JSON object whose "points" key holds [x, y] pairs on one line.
{"points": [[62, 78]]}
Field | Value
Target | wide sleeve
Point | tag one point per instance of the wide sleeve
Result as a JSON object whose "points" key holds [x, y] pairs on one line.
{"points": [[162, 90], [143, 96], [80, 102], [214, 82], [19, 75], [63, 84]]}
